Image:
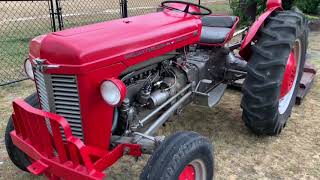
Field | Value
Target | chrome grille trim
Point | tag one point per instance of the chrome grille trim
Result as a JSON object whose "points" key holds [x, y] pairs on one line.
{"points": [[42, 90], [67, 102], [40, 80]]}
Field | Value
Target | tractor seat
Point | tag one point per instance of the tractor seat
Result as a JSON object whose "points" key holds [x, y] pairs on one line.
{"points": [[216, 29]]}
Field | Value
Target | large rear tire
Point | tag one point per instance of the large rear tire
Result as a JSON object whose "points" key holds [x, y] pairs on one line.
{"points": [[184, 155], [19, 158], [280, 43]]}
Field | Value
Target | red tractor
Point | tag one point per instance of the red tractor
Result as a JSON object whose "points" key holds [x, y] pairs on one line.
{"points": [[103, 90]]}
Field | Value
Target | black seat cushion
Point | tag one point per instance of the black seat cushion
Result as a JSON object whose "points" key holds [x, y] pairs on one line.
{"points": [[214, 35], [219, 21], [215, 29]]}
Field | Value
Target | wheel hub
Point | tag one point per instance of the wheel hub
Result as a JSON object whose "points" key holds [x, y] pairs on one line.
{"points": [[188, 173], [289, 75], [196, 170], [290, 78]]}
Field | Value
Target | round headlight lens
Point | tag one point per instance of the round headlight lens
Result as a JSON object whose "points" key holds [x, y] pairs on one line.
{"points": [[28, 68], [110, 93]]}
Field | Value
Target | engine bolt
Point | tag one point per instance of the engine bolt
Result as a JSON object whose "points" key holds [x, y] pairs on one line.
{"points": [[126, 151]]}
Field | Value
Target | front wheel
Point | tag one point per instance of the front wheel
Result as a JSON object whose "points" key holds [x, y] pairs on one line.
{"points": [[184, 155], [19, 158], [274, 72]]}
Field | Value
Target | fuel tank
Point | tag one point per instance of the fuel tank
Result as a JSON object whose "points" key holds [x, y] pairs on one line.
{"points": [[130, 40]]}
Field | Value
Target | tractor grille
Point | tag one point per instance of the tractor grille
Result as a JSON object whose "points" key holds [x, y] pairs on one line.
{"points": [[42, 90], [59, 94], [66, 101]]}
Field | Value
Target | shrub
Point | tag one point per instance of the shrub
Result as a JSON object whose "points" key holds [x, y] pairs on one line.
{"points": [[308, 6], [239, 8], [287, 4]]}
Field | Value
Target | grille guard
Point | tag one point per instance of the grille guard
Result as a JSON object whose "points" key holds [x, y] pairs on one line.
{"points": [[50, 155]]}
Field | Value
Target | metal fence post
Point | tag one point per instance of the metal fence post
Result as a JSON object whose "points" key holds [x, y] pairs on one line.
{"points": [[59, 14], [56, 15], [124, 8], [52, 15]]}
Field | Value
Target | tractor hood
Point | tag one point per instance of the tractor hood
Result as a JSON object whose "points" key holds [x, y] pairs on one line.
{"points": [[130, 40]]}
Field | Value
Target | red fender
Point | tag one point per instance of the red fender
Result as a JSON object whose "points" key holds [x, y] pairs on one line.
{"points": [[272, 5]]}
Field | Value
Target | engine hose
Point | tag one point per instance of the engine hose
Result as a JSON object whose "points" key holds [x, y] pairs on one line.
{"points": [[115, 120]]}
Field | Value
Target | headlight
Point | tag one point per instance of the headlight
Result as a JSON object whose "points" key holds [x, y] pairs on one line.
{"points": [[28, 69], [113, 91]]}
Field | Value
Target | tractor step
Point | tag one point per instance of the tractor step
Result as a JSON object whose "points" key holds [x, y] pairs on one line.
{"points": [[210, 98]]}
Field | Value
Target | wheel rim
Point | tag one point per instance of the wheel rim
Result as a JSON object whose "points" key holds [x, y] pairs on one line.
{"points": [[290, 77], [196, 170]]}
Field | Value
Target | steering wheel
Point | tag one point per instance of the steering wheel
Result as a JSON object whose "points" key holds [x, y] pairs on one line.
{"points": [[166, 5]]}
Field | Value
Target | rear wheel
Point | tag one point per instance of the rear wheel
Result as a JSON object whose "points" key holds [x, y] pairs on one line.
{"points": [[274, 72], [182, 156], [19, 158]]}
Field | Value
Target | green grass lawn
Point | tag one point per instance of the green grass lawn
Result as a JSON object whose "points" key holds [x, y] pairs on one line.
{"points": [[14, 49], [313, 17], [219, 8]]}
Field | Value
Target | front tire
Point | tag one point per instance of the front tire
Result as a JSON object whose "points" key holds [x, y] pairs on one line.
{"points": [[184, 155], [268, 92], [19, 158]]}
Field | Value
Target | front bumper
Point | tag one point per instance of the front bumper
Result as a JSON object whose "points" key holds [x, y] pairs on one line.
{"points": [[55, 157]]}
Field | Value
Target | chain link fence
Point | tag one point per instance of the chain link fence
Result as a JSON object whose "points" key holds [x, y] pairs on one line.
{"points": [[22, 20], [139, 7], [83, 12]]}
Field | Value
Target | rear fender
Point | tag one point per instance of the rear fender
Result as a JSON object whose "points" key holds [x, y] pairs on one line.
{"points": [[245, 50]]}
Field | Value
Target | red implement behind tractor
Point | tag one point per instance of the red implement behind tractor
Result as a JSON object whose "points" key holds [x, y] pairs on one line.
{"points": [[103, 90]]}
